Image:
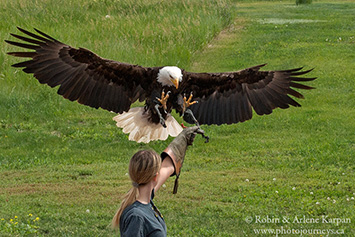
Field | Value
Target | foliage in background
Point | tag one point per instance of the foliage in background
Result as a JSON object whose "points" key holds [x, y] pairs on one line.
{"points": [[303, 2], [67, 163]]}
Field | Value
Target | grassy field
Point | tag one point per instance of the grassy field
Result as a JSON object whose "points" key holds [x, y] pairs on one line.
{"points": [[67, 164]]}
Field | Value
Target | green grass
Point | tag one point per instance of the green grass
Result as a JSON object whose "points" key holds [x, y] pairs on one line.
{"points": [[67, 164]]}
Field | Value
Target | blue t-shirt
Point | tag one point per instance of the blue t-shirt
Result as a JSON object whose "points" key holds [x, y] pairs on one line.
{"points": [[141, 219]]}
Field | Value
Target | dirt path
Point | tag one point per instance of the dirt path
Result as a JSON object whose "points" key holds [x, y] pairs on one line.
{"points": [[222, 46]]}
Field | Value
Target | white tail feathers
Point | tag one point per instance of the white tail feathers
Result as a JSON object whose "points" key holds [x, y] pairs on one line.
{"points": [[140, 129]]}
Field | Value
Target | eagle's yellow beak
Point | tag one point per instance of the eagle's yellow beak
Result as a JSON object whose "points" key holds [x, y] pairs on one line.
{"points": [[176, 82]]}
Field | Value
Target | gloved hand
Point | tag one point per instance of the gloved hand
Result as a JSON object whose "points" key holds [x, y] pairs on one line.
{"points": [[177, 150]]}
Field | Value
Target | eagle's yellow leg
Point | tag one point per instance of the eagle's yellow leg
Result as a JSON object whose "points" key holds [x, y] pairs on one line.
{"points": [[164, 98], [188, 102]]}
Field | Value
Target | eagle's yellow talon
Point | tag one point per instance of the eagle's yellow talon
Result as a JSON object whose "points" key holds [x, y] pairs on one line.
{"points": [[163, 100], [190, 98], [187, 102]]}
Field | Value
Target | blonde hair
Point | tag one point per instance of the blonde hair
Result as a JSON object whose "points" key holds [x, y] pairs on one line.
{"points": [[143, 166]]}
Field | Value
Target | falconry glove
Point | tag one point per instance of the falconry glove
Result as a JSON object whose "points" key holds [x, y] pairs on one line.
{"points": [[177, 150]]}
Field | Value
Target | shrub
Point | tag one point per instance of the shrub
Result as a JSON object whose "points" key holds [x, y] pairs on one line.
{"points": [[303, 2]]}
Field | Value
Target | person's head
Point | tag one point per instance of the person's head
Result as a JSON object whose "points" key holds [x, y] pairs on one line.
{"points": [[143, 168]]}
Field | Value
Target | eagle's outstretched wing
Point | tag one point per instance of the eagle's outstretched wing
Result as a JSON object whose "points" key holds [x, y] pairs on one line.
{"points": [[81, 74], [226, 98]]}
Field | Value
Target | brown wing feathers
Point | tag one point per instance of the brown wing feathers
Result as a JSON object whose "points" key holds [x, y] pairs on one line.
{"points": [[91, 80], [229, 97], [81, 74]]}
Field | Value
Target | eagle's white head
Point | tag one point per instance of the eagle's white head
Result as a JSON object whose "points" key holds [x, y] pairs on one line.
{"points": [[170, 76]]}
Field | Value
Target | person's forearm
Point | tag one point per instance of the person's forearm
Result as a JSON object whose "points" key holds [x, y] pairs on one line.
{"points": [[166, 170]]}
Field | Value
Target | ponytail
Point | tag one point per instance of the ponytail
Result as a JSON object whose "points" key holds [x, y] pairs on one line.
{"points": [[130, 197]]}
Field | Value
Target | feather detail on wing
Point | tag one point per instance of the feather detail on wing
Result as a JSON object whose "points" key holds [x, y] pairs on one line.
{"points": [[226, 98], [82, 75]]}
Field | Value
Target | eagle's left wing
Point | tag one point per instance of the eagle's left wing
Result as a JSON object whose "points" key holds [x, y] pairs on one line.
{"points": [[226, 98]]}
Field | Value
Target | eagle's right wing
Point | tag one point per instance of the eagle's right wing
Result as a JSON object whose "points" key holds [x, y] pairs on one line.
{"points": [[82, 75]]}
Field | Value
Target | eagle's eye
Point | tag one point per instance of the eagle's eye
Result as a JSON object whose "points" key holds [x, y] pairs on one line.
{"points": [[171, 76]]}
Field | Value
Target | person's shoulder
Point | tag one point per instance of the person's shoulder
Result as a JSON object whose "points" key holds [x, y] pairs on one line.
{"points": [[132, 214], [133, 217], [136, 209], [132, 223]]}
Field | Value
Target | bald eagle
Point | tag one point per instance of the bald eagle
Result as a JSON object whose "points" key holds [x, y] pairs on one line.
{"points": [[200, 98]]}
